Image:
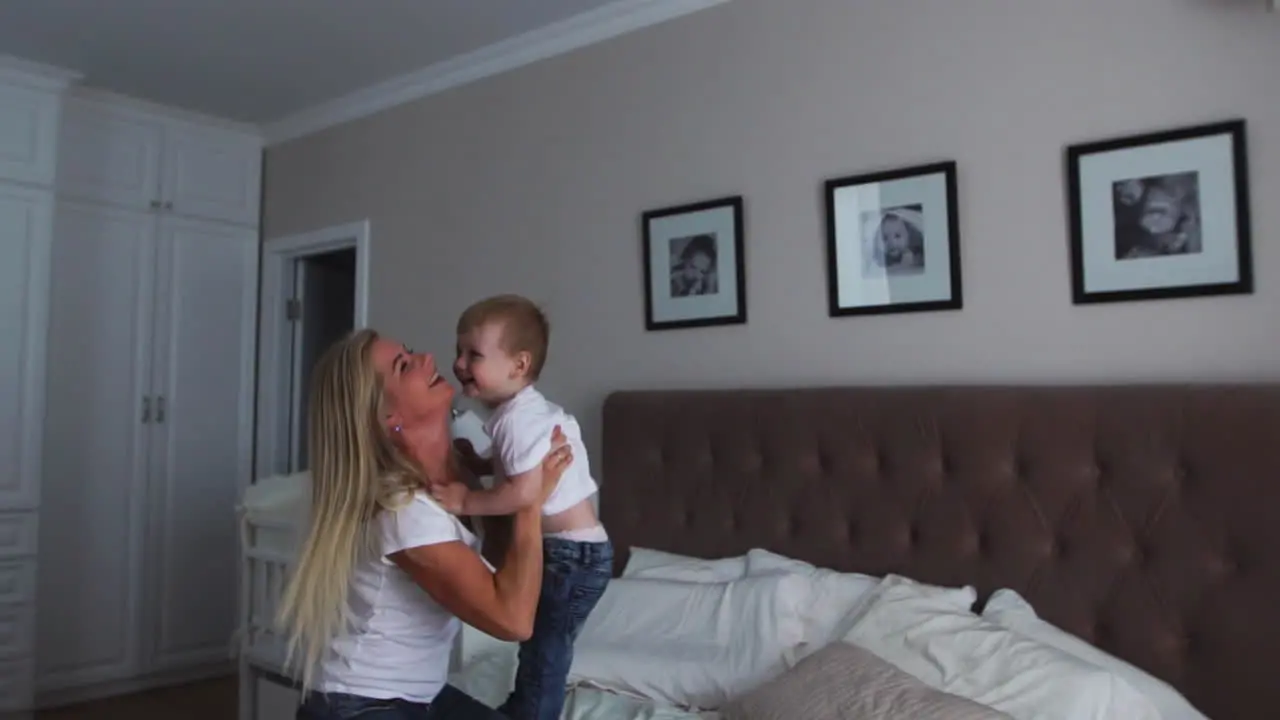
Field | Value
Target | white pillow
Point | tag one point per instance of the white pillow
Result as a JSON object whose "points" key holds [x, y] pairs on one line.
{"points": [[836, 596], [1009, 609], [688, 644], [658, 565], [921, 630]]}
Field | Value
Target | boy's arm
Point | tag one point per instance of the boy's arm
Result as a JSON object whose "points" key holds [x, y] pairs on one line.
{"points": [[506, 497]]}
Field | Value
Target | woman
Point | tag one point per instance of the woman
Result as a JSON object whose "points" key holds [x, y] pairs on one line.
{"points": [[385, 573]]}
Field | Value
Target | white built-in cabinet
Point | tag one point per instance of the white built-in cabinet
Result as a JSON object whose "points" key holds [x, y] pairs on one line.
{"points": [[30, 100], [129, 159], [128, 304]]}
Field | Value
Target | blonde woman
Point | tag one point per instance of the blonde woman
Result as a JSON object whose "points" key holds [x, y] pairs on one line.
{"points": [[385, 573]]}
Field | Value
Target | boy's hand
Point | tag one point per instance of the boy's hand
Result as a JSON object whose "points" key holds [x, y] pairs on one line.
{"points": [[451, 496]]}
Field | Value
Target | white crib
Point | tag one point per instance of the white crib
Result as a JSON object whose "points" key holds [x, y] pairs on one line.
{"points": [[272, 516]]}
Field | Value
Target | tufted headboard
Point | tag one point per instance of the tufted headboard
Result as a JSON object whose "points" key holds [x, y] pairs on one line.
{"points": [[1145, 519]]}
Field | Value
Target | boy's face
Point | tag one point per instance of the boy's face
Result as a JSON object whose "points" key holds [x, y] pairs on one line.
{"points": [[1161, 212], [486, 371], [894, 233]]}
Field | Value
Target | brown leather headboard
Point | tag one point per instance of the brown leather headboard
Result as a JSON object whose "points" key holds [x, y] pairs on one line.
{"points": [[1144, 519]]}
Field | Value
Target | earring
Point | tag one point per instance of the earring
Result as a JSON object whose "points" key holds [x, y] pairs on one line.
{"points": [[396, 428]]}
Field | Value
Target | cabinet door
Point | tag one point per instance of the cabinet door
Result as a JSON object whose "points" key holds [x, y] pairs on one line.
{"points": [[109, 155], [28, 134], [211, 173], [202, 447], [25, 236], [90, 573]]}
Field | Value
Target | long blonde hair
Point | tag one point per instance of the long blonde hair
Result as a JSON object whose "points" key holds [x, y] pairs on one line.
{"points": [[356, 471]]}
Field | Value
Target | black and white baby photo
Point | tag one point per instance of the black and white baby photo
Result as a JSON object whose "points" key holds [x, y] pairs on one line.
{"points": [[1157, 215], [694, 265], [894, 240]]}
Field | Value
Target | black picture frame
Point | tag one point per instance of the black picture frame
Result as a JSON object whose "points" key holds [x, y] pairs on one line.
{"points": [[948, 271], [730, 208], [1086, 240]]}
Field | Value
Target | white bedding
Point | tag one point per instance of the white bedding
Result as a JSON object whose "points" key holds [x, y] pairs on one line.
{"points": [[488, 668], [666, 612], [924, 631]]}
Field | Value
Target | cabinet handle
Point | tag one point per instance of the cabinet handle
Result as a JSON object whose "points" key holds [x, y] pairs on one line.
{"points": [[146, 409], [159, 408]]}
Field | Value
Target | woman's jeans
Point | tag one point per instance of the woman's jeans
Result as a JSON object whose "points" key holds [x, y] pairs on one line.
{"points": [[450, 704]]}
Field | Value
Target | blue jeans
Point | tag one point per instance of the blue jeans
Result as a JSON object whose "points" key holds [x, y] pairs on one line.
{"points": [[450, 704], [574, 576]]}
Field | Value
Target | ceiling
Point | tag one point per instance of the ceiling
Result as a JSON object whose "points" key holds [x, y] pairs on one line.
{"points": [[259, 61]]}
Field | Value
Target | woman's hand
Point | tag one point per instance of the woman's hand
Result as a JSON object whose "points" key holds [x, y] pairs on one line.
{"points": [[554, 463]]}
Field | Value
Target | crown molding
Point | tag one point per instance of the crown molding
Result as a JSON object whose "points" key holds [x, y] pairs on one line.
{"points": [[603, 23], [36, 75]]}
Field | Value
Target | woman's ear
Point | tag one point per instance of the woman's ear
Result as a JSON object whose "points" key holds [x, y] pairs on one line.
{"points": [[391, 421]]}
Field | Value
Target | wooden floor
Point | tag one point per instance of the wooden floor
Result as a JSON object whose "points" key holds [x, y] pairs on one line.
{"points": [[205, 700]]}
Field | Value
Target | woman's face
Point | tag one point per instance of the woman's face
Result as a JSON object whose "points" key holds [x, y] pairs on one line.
{"points": [[410, 381]]}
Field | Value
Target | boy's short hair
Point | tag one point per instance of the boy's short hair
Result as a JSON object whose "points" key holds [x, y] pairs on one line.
{"points": [[524, 326]]}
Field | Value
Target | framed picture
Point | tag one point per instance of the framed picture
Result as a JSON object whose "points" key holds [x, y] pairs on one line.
{"points": [[1164, 215], [694, 274], [893, 242]]}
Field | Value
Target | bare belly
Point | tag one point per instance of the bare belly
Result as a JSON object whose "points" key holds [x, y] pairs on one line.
{"points": [[578, 517]]}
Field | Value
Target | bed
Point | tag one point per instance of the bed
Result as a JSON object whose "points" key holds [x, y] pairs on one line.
{"points": [[1138, 518]]}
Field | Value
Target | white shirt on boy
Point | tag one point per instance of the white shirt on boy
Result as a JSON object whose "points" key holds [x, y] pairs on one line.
{"points": [[521, 431]]}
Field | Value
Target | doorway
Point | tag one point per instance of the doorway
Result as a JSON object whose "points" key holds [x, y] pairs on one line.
{"points": [[321, 311], [314, 293]]}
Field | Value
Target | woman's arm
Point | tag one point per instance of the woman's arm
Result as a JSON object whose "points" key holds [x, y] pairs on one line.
{"points": [[500, 603]]}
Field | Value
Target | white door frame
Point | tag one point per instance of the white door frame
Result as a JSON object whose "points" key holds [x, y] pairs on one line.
{"points": [[274, 371]]}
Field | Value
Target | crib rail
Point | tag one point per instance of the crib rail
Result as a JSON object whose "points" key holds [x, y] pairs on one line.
{"points": [[264, 573]]}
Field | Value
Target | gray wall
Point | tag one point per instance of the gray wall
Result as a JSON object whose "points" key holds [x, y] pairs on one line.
{"points": [[532, 182]]}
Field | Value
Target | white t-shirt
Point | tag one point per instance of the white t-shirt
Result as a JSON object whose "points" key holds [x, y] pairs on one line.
{"points": [[521, 430], [400, 640]]}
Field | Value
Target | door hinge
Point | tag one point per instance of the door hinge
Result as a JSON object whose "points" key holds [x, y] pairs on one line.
{"points": [[293, 309]]}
